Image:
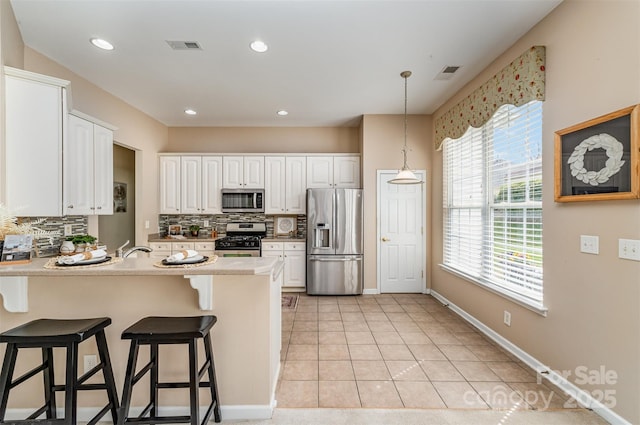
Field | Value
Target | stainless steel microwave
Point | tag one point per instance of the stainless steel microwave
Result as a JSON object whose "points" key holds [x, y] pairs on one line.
{"points": [[242, 200]]}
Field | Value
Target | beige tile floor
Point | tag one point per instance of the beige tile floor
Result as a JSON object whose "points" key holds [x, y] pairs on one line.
{"points": [[399, 351]]}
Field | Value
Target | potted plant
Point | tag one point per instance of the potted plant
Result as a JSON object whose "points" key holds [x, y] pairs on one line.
{"points": [[82, 242], [194, 229]]}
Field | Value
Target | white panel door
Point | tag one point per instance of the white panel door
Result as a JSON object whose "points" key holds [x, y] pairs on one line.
{"points": [[296, 185], [401, 248], [169, 185], [346, 172], [254, 172], [295, 267], [232, 172], [103, 170], [211, 185], [319, 172], [190, 184], [274, 185], [78, 168], [35, 117]]}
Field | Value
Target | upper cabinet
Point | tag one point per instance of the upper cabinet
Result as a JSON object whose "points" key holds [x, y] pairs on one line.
{"points": [[170, 185], [35, 121], [200, 184], [241, 172], [333, 171], [285, 187], [190, 184], [88, 167]]}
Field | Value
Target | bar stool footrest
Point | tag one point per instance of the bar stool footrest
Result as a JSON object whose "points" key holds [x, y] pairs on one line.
{"points": [[160, 420]]}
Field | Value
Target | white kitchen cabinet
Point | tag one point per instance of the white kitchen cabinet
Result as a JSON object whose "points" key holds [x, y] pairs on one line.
{"points": [[333, 171], [285, 187], [195, 181], [296, 185], [164, 249], [295, 265], [243, 172], [190, 184], [346, 171], [170, 185], [211, 185], [88, 168], [35, 122], [274, 185], [294, 256]]}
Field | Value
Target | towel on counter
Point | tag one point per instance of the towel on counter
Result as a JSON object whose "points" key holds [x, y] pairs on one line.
{"points": [[89, 255], [182, 255]]}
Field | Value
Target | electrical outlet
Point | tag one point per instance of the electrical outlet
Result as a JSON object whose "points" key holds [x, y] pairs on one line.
{"points": [[206, 223], [629, 249], [68, 230], [146, 224], [90, 361], [589, 244], [507, 318]]}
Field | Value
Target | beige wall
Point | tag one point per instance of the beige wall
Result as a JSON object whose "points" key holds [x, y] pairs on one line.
{"points": [[264, 139], [136, 130], [593, 67], [382, 140]]}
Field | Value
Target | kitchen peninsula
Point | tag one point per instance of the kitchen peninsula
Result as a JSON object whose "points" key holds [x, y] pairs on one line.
{"points": [[244, 294]]}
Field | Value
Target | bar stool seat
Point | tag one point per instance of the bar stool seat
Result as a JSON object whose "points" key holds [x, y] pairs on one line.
{"points": [[156, 331], [47, 334]]}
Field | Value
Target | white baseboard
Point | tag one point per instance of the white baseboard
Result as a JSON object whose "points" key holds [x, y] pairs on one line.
{"points": [[370, 291], [237, 412], [582, 397]]}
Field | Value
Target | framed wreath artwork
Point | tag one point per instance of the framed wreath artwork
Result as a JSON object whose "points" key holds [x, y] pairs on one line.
{"points": [[597, 160]]}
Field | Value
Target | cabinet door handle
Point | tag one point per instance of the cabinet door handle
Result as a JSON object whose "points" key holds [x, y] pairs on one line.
{"points": [[99, 208], [70, 206]]}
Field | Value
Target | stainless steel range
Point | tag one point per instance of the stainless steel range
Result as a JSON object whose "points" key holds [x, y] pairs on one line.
{"points": [[242, 240]]}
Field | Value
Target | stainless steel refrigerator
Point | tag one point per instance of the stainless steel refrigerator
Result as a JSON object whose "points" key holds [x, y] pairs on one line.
{"points": [[334, 241]]}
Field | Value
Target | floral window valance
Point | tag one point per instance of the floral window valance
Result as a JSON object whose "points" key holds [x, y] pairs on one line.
{"points": [[520, 82]]}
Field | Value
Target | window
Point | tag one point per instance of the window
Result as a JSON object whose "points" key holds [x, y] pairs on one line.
{"points": [[493, 203]]}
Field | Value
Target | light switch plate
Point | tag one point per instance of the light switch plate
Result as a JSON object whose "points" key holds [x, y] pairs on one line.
{"points": [[589, 244], [629, 249]]}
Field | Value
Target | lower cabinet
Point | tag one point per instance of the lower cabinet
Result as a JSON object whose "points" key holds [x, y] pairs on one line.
{"points": [[293, 254], [164, 249]]}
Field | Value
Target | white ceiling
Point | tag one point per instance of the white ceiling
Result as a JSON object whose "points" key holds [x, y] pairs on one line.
{"points": [[328, 63]]}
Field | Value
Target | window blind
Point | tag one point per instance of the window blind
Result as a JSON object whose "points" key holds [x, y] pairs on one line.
{"points": [[493, 202]]}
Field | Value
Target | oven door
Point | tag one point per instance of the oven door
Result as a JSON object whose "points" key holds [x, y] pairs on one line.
{"points": [[237, 252]]}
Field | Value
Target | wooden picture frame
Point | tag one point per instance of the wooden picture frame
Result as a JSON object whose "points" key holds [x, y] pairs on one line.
{"points": [[597, 160]]}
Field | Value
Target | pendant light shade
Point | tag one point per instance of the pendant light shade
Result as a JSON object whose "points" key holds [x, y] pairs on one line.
{"points": [[405, 175]]}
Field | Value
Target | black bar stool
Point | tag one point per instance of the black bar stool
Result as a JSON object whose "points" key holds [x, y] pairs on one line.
{"points": [[155, 331], [47, 334]]}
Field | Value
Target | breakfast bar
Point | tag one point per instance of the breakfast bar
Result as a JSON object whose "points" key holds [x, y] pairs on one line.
{"points": [[243, 293]]}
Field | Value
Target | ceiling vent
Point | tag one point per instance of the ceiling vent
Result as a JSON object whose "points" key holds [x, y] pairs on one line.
{"points": [[447, 72], [184, 45]]}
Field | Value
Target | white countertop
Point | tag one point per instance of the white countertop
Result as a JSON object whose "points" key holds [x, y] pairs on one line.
{"points": [[145, 267]]}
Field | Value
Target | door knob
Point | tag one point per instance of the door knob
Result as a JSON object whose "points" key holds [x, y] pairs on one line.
{"points": [[385, 239]]}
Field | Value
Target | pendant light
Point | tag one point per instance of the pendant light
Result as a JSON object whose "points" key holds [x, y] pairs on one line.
{"points": [[405, 175]]}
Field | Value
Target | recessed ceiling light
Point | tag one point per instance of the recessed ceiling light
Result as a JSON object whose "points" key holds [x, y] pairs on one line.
{"points": [[101, 44], [282, 113], [190, 112], [259, 46]]}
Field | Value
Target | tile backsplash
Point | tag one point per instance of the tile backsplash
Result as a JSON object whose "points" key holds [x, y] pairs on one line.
{"points": [[50, 247], [219, 222]]}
